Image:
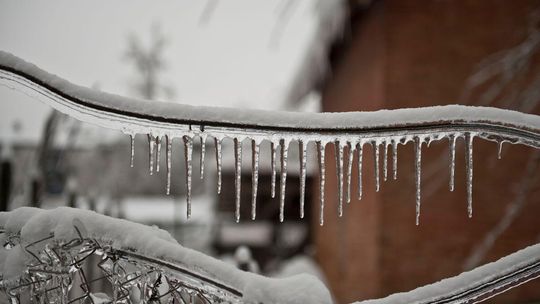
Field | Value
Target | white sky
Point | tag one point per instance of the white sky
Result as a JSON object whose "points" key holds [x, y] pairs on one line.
{"points": [[228, 61]]}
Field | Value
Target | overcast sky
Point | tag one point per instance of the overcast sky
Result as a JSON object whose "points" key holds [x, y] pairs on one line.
{"points": [[232, 60]]}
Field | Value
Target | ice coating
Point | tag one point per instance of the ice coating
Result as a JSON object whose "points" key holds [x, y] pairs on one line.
{"points": [[302, 148], [339, 171], [322, 174], [384, 127], [155, 245], [168, 159], [394, 158], [283, 178], [237, 176], [359, 151], [217, 142], [452, 140], [254, 177], [376, 158], [418, 174], [188, 157], [350, 159]]}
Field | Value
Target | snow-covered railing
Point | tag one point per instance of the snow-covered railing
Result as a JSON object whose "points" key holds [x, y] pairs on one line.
{"points": [[349, 132], [47, 255]]}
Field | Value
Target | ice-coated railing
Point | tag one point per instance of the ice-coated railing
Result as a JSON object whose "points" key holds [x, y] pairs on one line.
{"points": [[47, 257], [349, 132]]}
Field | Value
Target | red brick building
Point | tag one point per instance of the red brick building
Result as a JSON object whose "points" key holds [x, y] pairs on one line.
{"points": [[421, 53]]}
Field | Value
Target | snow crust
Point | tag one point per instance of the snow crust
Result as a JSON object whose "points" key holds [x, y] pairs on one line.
{"points": [[35, 224], [464, 281], [313, 121]]}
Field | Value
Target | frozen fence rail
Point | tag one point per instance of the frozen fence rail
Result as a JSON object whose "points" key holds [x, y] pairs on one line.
{"points": [[348, 132], [47, 254], [46, 257]]}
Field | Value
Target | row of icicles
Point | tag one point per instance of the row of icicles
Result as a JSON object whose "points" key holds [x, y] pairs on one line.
{"points": [[354, 148]]}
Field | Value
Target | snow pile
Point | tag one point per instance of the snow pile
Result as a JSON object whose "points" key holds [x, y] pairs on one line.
{"points": [[35, 224]]}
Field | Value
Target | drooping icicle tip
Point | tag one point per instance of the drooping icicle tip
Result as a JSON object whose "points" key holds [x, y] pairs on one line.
{"points": [[359, 151], [343, 168], [350, 159], [320, 156], [188, 155], [339, 171], [303, 159], [254, 177], [237, 176], [283, 172], [418, 174]]}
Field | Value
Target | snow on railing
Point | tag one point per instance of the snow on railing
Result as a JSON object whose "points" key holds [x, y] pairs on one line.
{"points": [[47, 256], [348, 132]]}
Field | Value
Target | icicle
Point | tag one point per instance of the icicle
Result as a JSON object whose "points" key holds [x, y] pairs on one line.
{"points": [[359, 151], [339, 170], [385, 161], [376, 164], [254, 177], [273, 165], [151, 153], [394, 158], [302, 152], [320, 154], [499, 149], [418, 170], [469, 167], [237, 175], [349, 171], [168, 151], [217, 142], [284, 152], [132, 137], [188, 155], [203, 153], [452, 140], [158, 154]]}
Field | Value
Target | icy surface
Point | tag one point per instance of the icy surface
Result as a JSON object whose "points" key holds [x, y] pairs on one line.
{"points": [[349, 120], [34, 224], [468, 280], [345, 131]]}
